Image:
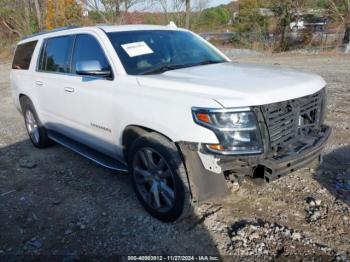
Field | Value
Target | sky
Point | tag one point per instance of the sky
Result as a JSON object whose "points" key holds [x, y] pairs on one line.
{"points": [[211, 3], [218, 2]]}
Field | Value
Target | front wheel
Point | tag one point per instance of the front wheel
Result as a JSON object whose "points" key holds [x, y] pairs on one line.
{"points": [[159, 178]]}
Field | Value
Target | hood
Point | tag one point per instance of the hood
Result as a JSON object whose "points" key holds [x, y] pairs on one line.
{"points": [[237, 84]]}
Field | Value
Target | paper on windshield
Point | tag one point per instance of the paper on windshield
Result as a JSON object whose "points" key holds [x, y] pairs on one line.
{"points": [[137, 49]]}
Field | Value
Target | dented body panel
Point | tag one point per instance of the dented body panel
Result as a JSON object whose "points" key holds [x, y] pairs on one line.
{"points": [[293, 135]]}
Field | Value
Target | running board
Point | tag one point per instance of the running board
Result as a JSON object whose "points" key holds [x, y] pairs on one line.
{"points": [[89, 153]]}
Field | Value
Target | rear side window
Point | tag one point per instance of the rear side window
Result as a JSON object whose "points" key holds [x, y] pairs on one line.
{"points": [[55, 55], [23, 55]]}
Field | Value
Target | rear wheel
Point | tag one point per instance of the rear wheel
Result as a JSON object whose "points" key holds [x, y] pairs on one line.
{"points": [[159, 178], [36, 131]]}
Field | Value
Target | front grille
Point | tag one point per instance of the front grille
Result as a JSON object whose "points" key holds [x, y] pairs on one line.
{"points": [[291, 123]]}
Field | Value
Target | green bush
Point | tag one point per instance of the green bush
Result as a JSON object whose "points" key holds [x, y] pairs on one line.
{"points": [[213, 17]]}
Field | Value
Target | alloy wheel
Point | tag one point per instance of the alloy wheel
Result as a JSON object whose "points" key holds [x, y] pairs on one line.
{"points": [[154, 179], [32, 126]]}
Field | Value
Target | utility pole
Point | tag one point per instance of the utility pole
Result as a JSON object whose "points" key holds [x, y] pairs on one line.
{"points": [[188, 13], [117, 11], [347, 40]]}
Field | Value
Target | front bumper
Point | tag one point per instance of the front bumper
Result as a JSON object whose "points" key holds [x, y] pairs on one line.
{"points": [[208, 174], [275, 169]]}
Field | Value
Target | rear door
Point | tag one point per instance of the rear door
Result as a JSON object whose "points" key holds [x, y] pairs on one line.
{"points": [[53, 71]]}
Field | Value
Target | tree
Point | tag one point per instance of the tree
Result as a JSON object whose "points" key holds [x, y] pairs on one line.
{"points": [[113, 11], [62, 13], [214, 17], [250, 18], [284, 12], [188, 13], [16, 16], [340, 11], [172, 9], [117, 8], [38, 12]]}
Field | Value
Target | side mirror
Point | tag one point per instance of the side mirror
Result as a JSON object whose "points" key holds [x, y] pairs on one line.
{"points": [[91, 68]]}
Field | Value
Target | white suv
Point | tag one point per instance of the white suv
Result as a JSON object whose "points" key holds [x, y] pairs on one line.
{"points": [[169, 108]]}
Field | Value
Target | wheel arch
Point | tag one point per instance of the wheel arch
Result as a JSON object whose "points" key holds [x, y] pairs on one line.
{"points": [[43, 141], [132, 132], [22, 97]]}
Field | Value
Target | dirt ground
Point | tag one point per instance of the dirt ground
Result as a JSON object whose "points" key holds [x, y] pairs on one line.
{"points": [[54, 202]]}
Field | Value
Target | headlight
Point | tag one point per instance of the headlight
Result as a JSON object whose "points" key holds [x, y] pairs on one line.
{"points": [[236, 129]]}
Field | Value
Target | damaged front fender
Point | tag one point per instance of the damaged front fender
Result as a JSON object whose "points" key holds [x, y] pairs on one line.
{"points": [[206, 179]]}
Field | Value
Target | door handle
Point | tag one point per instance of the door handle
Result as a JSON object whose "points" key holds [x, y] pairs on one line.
{"points": [[39, 83], [69, 89]]}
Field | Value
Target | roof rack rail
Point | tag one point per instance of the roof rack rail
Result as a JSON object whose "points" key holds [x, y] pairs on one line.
{"points": [[51, 31]]}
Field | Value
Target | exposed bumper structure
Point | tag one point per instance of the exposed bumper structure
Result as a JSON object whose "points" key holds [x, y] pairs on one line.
{"points": [[293, 135], [209, 176], [277, 168]]}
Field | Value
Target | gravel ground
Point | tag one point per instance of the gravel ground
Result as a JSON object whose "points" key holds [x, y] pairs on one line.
{"points": [[54, 202]]}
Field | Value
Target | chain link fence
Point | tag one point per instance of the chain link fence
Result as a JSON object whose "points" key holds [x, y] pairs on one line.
{"points": [[293, 40]]}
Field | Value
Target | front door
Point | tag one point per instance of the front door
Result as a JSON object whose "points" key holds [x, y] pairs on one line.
{"points": [[89, 99]]}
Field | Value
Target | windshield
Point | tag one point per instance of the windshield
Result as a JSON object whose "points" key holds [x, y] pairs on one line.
{"points": [[156, 51]]}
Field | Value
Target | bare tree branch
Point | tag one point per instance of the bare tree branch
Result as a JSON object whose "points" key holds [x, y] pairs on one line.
{"points": [[10, 28]]}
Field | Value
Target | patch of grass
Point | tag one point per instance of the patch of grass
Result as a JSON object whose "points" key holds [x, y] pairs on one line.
{"points": [[5, 53]]}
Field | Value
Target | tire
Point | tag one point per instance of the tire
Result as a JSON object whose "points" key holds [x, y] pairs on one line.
{"points": [[36, 131], [159, 178]]}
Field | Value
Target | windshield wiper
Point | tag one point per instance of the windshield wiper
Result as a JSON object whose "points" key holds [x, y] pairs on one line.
{"points": [[164, 68], [209, 62], [161, 69]]}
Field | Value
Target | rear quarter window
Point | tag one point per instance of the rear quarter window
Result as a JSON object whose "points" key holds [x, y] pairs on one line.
{"points": [[23, 55]]}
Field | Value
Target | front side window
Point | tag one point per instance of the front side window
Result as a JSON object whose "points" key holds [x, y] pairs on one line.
{"points": [[23, 55], [87, 49], [55, 56], [155, 51]]}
